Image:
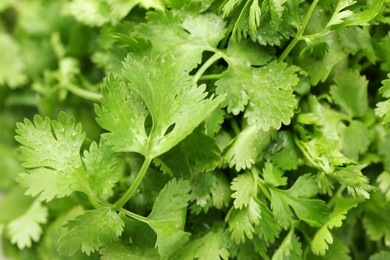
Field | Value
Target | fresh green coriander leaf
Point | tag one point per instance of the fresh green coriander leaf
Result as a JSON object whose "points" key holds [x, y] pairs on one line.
{"points": [[384, 184], [384, 53], [12, 67], [350, 18], [213, 122], [118, 250], [245, 188], [221, 193], [48, 245], [209, 190], [168, 217], [290, 248], [383, 108], [288, 157], [313, 211], [171, 98], [196, 153], [320, 68], [101, 166], [323, 236], [245, 52], [382, 255], [184, 35], [268, 228], [357, 39], [123, 113], [89, 231], [350, 92], [273, 175], [242, 222], [245, 148], [266, 92], [26, 228], [356, 140], [90, 12], [212, 245], [375, 221], [357, 184], [51, 153]]}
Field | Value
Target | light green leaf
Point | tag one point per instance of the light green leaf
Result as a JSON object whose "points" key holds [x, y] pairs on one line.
{"points": [[212, 244], [268, 228], [273, 175], [266, 92], [323, 236], [27, 228], [245, 148], [356, 139], [117, 250], [12, 67], [357, 184], [382, 255], [89, 231], [244, 187], [383, 108], [384, 184], [168, 217], [290, 248], [171, 98], [184, 35], [51, 152], [350, 92], [313, 211], [242, 222], [102, 169], [123, 113], [375, 221]]}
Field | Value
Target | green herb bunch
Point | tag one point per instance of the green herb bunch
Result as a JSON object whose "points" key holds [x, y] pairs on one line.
{"points": [[218, 129]]}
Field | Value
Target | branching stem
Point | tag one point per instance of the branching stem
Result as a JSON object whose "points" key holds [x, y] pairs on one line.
{"points": [[134, 215], [300, 32], [216, 56], [134, 186], [84, 93]]}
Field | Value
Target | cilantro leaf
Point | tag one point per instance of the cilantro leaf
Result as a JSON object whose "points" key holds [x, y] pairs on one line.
{"points": [[313, 211], [244, 187], [211, 245], [350, 92], [375, 220], [242, 221], [51, 152], [170, 101], [123, 113], [268, 228], [102, 169], [12, 69], [383, 108], [290, 248], [90, 230], [26, 228], [245, 148], [184, 35], [356, 139], [266, 92], [196, 153], [323, 237], [382, 255], [273, 176], [384, 184], [168, 217]]}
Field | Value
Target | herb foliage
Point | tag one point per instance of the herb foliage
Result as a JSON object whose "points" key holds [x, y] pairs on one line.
{"points": [[219, 129]]}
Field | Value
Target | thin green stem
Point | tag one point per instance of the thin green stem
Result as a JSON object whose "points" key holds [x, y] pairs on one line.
{"points": [[134, 186], [216, 56], [261, 184], [84, 93], [210, 77], [235, 126], [134, 215], [300, 32]]}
